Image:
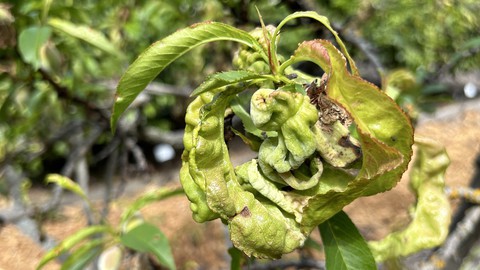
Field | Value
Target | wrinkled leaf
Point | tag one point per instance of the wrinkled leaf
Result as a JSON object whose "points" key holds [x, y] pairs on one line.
{"points": [[431, 216], [384, 131], [66, 183], [148, 238], [71, 241], [159, 55], [30, 41], [344, 246], [87, 34]]}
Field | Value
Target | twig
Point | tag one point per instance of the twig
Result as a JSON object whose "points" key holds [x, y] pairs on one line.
{"points": [[137, 154], [64, 93], [156, 135], [108, 179], [471, 195], [458, 243], [69, 167]]}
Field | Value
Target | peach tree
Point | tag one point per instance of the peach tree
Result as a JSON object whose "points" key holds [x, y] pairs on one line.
{"points": [[321, 142]]}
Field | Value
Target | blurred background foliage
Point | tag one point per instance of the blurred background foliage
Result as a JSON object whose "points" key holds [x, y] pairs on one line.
{"points": [[60, 61]]}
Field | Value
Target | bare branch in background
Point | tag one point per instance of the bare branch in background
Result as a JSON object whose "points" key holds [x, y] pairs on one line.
{"points": [[156, 135]]}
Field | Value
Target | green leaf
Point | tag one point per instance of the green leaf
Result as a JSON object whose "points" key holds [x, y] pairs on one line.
{"points": [[162, 53], [66, 183], [345, 247], [71, 241], [237, 258], [432, 213], [148, 238], [384, 131], [310, 243], [87, 34], [30, 41], [241, 113], [83, 255], [150, 197], [223, 79]]}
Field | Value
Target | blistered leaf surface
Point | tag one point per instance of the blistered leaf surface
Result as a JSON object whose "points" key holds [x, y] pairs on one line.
{"points": [[431, 215]]}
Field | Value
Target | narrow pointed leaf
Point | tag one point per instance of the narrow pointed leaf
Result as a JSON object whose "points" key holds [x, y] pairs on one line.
{"points": [[148, 238], [87, 34], [83, 255], [223, 79], [70, 242], [150, 197], [159, 55], [66, 183], [345, 248], [237, 256]]}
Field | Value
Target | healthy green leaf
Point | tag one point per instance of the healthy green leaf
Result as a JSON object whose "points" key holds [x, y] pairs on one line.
{"points": [[241, 113], [148, 238], [237, 256], [66, 183], [431, 216], [159, 55], [83, 255], [344, 246], [87, 34], [71, 241], [30, 41], [222, 79], [310, 243]]}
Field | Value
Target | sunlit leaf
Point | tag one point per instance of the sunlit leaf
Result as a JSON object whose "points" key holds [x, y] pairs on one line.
{"points": [[344, 246], [71, 241], [385, 132], [87, 34], [159, 55], [66, 183], [148, 238]]}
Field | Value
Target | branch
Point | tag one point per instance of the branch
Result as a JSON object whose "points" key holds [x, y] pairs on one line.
{"points": [[156, 135], [458, 243], [64, 93]]}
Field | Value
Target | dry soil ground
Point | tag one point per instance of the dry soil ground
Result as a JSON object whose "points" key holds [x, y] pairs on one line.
{"points": [[203, 246]]}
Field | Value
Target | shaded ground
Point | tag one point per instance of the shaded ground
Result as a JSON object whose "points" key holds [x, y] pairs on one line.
{"points": [[203, 246]]}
